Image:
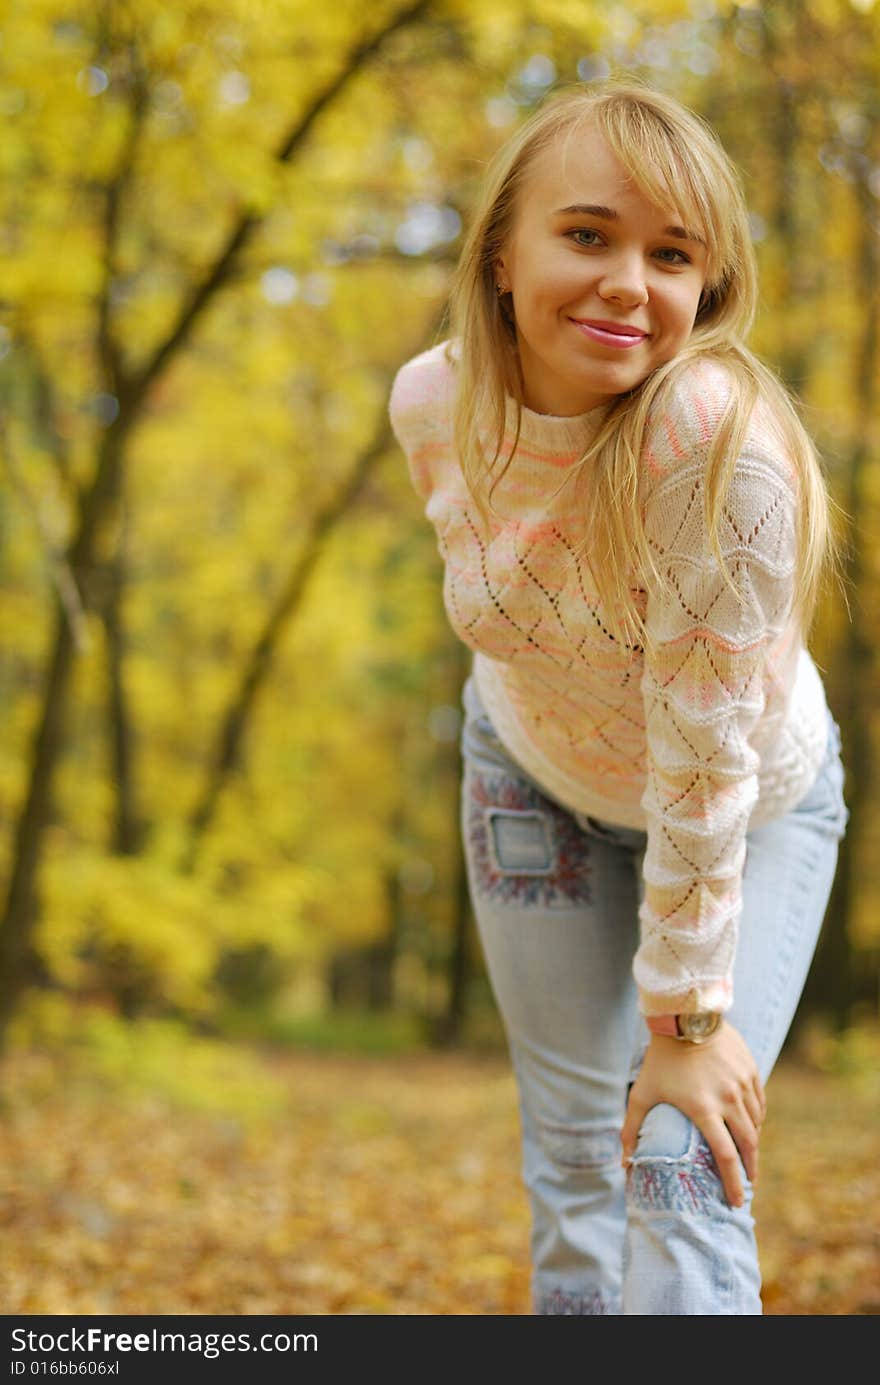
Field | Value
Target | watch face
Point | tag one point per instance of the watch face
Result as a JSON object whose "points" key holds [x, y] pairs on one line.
{"points": [[699, 1026]]}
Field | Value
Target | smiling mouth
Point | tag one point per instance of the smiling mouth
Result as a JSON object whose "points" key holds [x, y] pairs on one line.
{"points": [[621, 329], [610, 334]]}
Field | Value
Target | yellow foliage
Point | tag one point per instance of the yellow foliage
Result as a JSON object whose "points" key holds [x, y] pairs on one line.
{"points": [[122, 920], [168, 118]]}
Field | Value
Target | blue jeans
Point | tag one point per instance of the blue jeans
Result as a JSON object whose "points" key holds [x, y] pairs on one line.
{"points": [[555, 897]]}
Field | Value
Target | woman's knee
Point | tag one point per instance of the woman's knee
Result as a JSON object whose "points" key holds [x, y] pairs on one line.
{"points": [[672, 1168]]}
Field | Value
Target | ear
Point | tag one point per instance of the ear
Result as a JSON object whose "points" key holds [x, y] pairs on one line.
{"points": [[502, 281]]}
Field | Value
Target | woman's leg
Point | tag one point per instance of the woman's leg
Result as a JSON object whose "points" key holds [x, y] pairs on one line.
{"points": [[687, 1251], [556, 914]]}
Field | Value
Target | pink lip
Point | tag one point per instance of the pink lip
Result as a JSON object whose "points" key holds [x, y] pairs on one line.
{"points": [[610, 333]]}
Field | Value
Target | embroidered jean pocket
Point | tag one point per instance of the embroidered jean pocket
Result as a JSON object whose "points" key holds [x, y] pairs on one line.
{"points": [[522, 849]]}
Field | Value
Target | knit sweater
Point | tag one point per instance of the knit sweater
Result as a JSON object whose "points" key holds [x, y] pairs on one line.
{"points": [[723, 729]]}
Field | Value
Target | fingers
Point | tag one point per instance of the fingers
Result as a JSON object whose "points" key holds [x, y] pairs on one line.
{"points": [[724, 1151], [745, 1134], [753, 1107], [733, 1141]]}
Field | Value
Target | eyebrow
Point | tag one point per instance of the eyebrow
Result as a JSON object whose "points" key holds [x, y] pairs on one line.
{"points": [[609, 214]]}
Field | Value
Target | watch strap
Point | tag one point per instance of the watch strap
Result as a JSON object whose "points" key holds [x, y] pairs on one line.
{"points": [[663, 1024]]}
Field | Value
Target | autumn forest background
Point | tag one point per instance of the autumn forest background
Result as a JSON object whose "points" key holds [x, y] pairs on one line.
{"points": [[240, 989]]}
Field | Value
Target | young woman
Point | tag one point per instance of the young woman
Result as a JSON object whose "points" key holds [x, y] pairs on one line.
{"points": [[635, 528]]}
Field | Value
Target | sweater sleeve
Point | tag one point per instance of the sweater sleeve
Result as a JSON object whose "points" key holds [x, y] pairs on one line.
{"points": [[416, 411], [704, 691]]}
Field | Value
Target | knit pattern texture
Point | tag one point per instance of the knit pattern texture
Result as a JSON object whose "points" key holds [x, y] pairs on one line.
{"points": [[724, 728]]}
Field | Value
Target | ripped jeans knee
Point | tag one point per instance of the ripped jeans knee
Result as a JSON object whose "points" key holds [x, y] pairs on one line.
{"points": [[672, 1168]]}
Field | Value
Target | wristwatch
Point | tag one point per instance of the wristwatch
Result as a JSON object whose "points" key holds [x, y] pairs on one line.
{"points": [[694, 1028]]}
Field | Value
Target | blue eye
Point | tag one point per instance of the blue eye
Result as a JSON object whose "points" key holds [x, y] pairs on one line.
{"points": [[585, 231], [679, 256]]}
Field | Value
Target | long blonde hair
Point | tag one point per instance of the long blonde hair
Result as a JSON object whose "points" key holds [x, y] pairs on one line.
{"points": [[677, 161]]}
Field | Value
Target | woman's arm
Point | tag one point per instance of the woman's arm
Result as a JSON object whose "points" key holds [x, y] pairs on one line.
{"points": [[704, 693], [703, 688]]}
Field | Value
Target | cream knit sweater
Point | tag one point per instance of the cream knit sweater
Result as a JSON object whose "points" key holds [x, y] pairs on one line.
{"points": [[723, 730]]}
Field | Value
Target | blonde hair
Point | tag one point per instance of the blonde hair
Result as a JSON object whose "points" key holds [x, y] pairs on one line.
{"points": [[676, 161]]}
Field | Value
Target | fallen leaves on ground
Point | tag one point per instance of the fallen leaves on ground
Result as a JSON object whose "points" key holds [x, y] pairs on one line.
{"points": [[365, 1185]]}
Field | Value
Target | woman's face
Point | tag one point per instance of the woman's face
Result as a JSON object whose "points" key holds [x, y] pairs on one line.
{"points": [[601, 295]]}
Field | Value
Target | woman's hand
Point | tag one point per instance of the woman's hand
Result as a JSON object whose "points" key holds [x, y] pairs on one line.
{"points": [[716, 1085]]}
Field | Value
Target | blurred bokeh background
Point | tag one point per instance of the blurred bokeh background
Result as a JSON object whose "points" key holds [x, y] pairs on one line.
{"points": [[229, 766]]}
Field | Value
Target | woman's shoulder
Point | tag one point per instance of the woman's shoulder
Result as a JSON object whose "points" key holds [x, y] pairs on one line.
{"points": [[420, 391], [690, 410]]}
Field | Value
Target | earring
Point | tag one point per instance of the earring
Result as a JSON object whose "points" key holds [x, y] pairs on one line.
{"points": [[501, 290]]}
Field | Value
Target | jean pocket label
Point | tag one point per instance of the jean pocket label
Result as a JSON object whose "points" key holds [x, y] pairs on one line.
{"points": [[521, 841]]}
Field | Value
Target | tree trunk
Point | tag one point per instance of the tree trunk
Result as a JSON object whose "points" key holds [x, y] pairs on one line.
{"points": [[21, 907], [128, 834]]}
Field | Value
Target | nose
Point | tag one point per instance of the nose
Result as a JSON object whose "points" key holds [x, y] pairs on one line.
{"points": [[624, 281]]}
